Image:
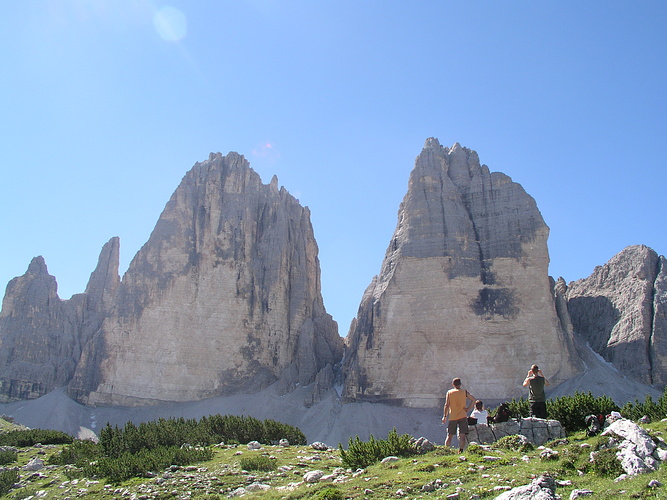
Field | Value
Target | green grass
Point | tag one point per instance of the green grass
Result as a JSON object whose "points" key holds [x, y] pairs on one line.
{"points": [[431, 476]]}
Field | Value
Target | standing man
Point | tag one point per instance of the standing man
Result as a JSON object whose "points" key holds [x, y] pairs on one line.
{"points": [[456, 408], [536, 381]]}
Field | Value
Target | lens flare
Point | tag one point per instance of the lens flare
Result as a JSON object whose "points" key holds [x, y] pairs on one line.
{"points": [[170, 23]]}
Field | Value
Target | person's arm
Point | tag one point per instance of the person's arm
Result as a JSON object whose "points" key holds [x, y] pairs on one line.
{"points": [[539, 372], [445, 410], [528, 377]]}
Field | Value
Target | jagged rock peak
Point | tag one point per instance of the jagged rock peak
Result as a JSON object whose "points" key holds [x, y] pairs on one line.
{"points": [[36, 336], [620, 310], [37, 266], [227, 290], [464, 278]]}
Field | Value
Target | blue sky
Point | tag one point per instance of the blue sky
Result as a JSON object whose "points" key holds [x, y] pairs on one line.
{"points": [[105, 105]]}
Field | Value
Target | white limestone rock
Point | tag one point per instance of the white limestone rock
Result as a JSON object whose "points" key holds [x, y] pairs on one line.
{"points": [[224, 298], [464, 279]]}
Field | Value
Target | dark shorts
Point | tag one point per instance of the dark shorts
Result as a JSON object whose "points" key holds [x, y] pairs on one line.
{"points": [[461, 425], [538, 409]]}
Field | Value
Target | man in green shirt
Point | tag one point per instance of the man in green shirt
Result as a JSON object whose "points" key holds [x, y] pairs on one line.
{"points": [[535, 381]]}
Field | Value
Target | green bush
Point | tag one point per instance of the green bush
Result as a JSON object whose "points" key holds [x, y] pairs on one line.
{"points": [[361, 454], [79, 453], [654, 410], [329, 493], [128, 465], [31, 437], [605, 463], [519, 408], [209, 430], [571, 411], [8, 478], [7, 457], [514, 443], [259, 462]]}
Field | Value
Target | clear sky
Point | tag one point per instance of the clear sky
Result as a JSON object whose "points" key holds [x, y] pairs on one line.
{"points": [[105, 104]]}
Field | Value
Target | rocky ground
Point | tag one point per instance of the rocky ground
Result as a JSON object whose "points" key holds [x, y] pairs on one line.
{"points": [[564, 468]]}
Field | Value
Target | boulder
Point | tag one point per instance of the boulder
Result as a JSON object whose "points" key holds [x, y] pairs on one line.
{"points": [[541, 488]]}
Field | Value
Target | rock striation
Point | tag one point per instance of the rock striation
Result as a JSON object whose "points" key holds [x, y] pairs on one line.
{"points": [[224, 298], [463, 291], [621, 311]]}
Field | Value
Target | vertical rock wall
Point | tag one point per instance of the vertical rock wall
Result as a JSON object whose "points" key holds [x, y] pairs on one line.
{"points": [[223, 298], [463, 291], [620, 310]]}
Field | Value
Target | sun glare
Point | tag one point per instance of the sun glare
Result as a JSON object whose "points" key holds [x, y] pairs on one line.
{"points": [[170, 23]]}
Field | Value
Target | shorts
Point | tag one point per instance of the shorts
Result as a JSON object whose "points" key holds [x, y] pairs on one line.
{"points": [[461, 424]]}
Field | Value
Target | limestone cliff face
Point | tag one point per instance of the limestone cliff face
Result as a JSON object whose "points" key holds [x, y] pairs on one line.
{"points": [[620, 310], [38, 341], [223, 298], [41, 336], [463, 291]]}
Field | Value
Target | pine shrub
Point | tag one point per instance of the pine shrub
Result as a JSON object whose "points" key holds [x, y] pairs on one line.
{"points": [[653, 410], [31, 437], [128, 465], [606, 464], [8, 457], [571, 411], [260, 462], [361, 454], [79, 453], [329, 493], [8, 478]]}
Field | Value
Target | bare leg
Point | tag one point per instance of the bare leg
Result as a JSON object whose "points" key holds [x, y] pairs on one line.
{"points": [[448, 441], [462, 442]]}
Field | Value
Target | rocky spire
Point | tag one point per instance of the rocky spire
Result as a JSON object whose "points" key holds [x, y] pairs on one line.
{"points": [[463, 287], [620, 309], [223, 298], [37, 337]]}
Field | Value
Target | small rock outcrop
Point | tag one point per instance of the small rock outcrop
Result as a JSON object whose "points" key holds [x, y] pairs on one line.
{"points": [[463, 288], [636, 450], [621, 311], [542, 488], [537, 431]]}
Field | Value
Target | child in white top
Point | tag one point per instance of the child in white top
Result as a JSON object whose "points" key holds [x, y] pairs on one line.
{"points": [[480, 413]]}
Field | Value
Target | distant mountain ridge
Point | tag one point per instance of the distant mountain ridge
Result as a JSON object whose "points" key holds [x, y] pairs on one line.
{"points": [[224, 299]]}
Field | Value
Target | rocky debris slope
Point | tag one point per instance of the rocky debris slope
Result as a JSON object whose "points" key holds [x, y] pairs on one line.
{"points": [[463, 288], [223, 298], [621, 311]]}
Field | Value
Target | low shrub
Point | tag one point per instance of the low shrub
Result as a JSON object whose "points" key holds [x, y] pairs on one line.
{"points": [[8, 478], [31, 437], [209, 430], [515, 442], [128, 465], [571, 411], [261, 463], [475, 449], [79, 453], [8, 457], [606, 464], [329, 493], [360, 454], [652, 409]]}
